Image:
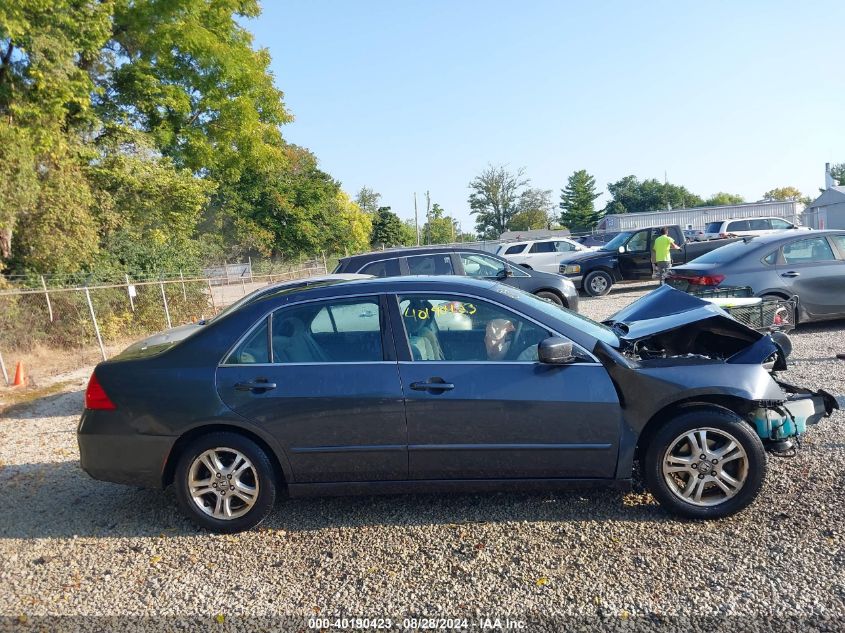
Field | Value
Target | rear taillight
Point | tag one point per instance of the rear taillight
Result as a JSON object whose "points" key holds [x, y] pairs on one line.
{"points": [[95, 395], [706, 280]]}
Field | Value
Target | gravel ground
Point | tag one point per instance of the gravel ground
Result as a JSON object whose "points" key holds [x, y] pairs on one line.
{"points": [[77, 547]]}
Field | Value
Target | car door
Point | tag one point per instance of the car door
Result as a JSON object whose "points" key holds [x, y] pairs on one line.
{"points": [[812, 269], [635, 262], [482, 266], [480, 406], [321, 377], [543, 256]]}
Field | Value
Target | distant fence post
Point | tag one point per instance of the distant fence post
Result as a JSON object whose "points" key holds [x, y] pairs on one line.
{"points": [[243, 286], [325, 265], [129, 292], [211, 294], [226, 270], [184, 292], [164, 300], [47, 295], [3, 367], [94, 321]]}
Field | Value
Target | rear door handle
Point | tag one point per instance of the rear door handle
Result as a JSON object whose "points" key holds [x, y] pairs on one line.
{"points": [[259, 385], [433, 384], [790, 273]]}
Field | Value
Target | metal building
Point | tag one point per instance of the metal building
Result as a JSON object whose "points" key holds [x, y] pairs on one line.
{"points": [[828, 210], [699, 217]]}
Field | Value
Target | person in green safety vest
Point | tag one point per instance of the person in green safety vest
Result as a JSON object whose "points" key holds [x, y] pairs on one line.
{"points": [[661, 252]]}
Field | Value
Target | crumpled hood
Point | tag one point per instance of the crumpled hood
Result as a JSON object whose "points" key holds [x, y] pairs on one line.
{"points": [[667, 309], [680, 324]]}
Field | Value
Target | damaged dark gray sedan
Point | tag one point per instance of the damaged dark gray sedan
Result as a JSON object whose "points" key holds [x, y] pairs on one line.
{"points": [[417, 384]]}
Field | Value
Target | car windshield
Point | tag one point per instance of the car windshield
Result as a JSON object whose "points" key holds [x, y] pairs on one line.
{"points": [[572, 319], [726, 253], [617, 241]]}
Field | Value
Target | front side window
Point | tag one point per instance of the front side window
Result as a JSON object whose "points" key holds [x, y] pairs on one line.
{"points": [[384, 268], [514, 250], [638, 243], [780, 225], [564, 247], [481, 265], [465, 329], [438, 264], [815, 249], [337, 331], [543, 247]]}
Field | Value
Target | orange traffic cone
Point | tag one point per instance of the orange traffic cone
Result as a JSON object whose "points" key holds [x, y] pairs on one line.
{"points": [[20, 376]]}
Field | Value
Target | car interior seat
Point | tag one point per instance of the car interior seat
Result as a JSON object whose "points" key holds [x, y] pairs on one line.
{"points": [[422, 333], [293, 343]]}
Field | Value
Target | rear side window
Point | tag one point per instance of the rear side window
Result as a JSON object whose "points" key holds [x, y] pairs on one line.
{"points": [[542, 247], [438, 264], [385, 268], [714, 227], [253, 349], [340, 331], [513, 250], [840, 241], [815, 249], [771, 259], [739, 225]]}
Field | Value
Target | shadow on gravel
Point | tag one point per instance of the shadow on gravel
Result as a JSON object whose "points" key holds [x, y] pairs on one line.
{"points": [[58, 500], [57, 404]]}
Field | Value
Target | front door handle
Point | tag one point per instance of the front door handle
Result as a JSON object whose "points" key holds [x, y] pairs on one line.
{"points": [[432, 384], [790, 273], [258, 385]]}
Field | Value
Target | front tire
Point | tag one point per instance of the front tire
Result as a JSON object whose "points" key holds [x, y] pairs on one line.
{"points": [[225, 482], [705, 464], [597, 283], [550, 296]]}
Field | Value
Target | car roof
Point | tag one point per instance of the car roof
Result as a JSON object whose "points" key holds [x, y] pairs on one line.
{"points": [[774, 238], [357, 284], [409, 251]]}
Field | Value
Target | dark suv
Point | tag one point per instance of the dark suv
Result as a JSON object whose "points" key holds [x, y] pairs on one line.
{"points": [[461, 261]]}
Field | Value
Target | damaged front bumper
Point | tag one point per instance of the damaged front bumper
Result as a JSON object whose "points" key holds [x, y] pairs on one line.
{"points": [[781, 421]]}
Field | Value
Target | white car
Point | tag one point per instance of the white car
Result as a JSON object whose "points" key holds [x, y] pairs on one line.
{"points": [[748, 226], [543, 254]]}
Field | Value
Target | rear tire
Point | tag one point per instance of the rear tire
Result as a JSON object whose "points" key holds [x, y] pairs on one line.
{"points": [[550, 296], [225, 482], [597, 283], [725, 481]]}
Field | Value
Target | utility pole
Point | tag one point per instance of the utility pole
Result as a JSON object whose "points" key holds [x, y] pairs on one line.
{"points": [[428, 218], [416, 219]]}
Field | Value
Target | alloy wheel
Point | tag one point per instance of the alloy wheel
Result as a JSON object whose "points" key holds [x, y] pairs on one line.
{"points": [[705, 467], [223, 483], [598, 284]]}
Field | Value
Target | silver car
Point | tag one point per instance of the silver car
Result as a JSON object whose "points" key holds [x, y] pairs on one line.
{"points": [[807, 264]]}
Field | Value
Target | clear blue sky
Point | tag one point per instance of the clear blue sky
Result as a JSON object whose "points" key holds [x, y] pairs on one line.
{"points": [[404, 96]]}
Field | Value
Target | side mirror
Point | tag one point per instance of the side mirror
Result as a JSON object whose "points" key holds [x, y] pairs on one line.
{"points": [[504, 273], [621, 249], [555, 351]]}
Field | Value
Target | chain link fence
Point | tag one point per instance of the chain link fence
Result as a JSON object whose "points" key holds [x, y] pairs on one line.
{"points": [[93, 321]]}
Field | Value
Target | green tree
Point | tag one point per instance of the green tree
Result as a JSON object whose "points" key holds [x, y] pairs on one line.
{"points": [[18, 182], [368, 200], [629, 195], [441, 228], [786, 194], [528, 220], [59, 234], [722, 199], [495, 199], [409, 233], [577, 201], [387, 229], [838, 172]]}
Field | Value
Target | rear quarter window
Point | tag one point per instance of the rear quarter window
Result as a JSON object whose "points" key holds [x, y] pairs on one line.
{"points": [[515, 249]]}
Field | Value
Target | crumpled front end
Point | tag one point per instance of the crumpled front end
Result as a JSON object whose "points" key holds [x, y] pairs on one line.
{"points": [[702, 350], [780, 422]]}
